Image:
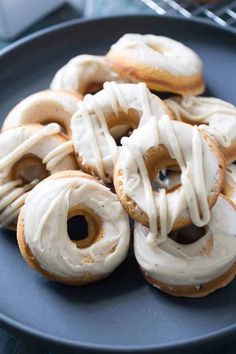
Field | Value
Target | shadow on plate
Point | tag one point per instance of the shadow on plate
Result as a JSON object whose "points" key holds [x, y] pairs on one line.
{"points": [[126, 278]]}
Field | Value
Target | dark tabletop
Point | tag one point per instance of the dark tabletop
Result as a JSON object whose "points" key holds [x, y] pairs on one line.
{"points": [[10, 344]]}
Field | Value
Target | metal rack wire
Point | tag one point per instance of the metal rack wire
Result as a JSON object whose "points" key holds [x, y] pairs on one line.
{"points": [[222, 12]]}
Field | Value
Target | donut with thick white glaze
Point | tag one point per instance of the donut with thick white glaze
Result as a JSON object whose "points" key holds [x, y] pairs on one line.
{"points": [[42, 229], [161, 62]]}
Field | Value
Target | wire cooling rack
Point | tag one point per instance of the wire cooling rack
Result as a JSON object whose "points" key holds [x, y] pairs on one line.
{"points": [[222, 12]]}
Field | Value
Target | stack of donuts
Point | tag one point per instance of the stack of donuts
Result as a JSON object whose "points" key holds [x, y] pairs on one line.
{"points": [[100, 144]]}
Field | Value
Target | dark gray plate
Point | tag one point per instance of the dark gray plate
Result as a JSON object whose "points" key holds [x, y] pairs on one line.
{"points": [[121, 312]]}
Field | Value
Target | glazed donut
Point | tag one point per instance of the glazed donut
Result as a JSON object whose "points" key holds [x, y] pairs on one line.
{"points": [[84, 74], [218, 118], [44, 107], [109, 114], [28, 154], [162, 63], [195, 269], [153, 147], [42, 229]]}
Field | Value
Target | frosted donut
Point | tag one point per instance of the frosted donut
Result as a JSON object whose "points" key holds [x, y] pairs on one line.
{"points": [[162, 63], [217, 118], [153, 147], [84, 74], [44, 107], [42, 229], [28, 154], [107, 115], [196, 269]]}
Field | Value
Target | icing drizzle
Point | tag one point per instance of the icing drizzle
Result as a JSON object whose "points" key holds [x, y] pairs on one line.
{"points": [[12, 193], [218, 114], [21, 150], [91, 107], [12, 198], [57, 154], [192, 179]]}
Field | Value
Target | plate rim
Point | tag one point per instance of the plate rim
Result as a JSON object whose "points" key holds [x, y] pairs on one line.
{"points": [[21, 329], [30, 37]]}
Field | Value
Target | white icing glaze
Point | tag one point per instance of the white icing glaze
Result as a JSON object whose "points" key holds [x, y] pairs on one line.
{"points": [[218, 114], [148, 193], [158, 52], [45, 227], [39, 141], [82, 71], [92, 139], [43, 107], [193, 264], [199, 174]]}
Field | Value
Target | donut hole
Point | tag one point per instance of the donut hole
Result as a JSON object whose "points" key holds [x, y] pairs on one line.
{"points": [[168, 179], [120, 132], [188, 235], [92, 87], [77, 228], [83, 226], [28, 169], [158, 159], [123, 124]]}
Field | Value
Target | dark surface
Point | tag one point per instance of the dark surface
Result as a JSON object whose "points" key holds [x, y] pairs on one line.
{"points": [[121, 311]]}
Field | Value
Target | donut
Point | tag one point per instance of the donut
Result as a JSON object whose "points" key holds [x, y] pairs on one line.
{"points": [[162, 63], [215, 116], [44, 107], [84, 74], [29, 154], [155, 146], [106, 116], [42, 229], [195, 269]]}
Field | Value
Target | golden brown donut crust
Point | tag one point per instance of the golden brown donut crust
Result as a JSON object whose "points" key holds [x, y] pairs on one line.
{"points": [[156, 79], [194, 291], [229, 152]]}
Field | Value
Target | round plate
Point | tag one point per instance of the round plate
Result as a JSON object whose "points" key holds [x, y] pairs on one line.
{"points": [[122, 312]]}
